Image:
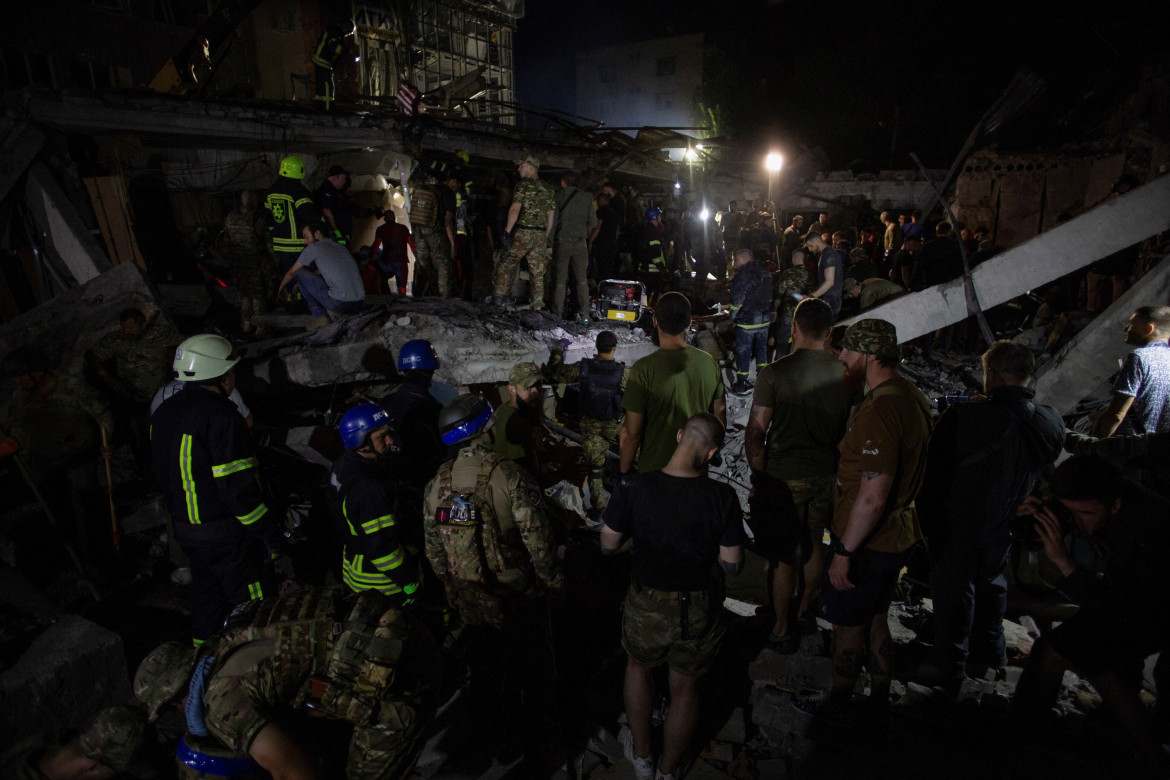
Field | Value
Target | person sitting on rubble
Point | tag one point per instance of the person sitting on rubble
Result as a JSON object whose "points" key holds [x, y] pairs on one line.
{"points": [[327, 276], [870, 292], [102, 751], [1124, 614], [353, 657]]}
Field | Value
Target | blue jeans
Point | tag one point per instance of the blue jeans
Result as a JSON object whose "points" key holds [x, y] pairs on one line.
{"points": [[316, 295], [750, 342], [970, 596]]}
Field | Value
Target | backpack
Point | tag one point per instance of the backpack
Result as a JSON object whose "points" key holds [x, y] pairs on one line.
{"points": [[424, 207], [470, 529]]}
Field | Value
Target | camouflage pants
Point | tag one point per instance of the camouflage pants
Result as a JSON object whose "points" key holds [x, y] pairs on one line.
{"points": [[598, 435], [528, 244], [250, 272], [657, 628], [432, 254]]}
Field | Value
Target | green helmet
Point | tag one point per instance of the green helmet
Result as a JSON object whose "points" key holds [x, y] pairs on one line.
{"points": [[161, 676], [291, 167], [203, 357]]}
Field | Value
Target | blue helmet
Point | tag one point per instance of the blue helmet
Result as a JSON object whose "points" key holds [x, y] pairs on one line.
{"points": [[418, 354], [653, 213], [463, 417], [356, 424]]}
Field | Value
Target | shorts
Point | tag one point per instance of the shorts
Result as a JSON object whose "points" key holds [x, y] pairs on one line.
{"points": [[652, 629], [875, 579], [789, 516], [1094, 642]]}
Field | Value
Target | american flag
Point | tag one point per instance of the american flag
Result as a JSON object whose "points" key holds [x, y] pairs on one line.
{"points": [[408, 98]]}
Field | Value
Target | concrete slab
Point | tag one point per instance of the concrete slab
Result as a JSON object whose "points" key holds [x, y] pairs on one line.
{"points": [[76, 256], [1110, 227], [68, 673], [476, 344], [1095, 354]]}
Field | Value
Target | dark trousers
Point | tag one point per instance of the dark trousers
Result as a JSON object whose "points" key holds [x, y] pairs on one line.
{"points": [[228, 567], [970, 595], [750, 343]]}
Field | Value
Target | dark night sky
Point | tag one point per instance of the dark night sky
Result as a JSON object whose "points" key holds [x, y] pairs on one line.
{"points": [[833, 77]]}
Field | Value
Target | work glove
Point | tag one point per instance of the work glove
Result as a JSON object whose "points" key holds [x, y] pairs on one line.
{"points": [[506, 240], [411, 594]]}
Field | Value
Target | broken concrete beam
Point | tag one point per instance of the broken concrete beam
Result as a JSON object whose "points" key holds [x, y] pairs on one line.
{"points": [[1108, 228], [1095, 354], [476, 344], [68, 673], [75, 256], [65, 326]]}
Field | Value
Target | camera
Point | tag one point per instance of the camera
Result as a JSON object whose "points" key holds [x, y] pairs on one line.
{"points": [[1023, 527]]}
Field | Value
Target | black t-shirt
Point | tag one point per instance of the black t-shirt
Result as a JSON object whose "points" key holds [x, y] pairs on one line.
{"points": [[609, 220], [678, 525]]}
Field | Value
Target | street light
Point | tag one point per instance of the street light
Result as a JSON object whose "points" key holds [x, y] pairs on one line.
{"points": [[773, 162]]}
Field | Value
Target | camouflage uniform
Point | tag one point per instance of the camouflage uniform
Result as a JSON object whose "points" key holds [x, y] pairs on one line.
{"points": [[55, 427], [432, 246], [112, 739], [792, 281], [143, 364], [507, 633], [355, 658], [245, 244], [529, 240]]}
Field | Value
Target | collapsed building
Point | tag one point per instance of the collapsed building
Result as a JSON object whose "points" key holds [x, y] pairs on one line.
{"points": [[74, 260]]}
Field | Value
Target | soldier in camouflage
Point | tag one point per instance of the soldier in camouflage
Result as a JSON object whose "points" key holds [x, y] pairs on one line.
{"points": [[141, 352], [100, 752], [793, 284], [489, 541], [352, 657], [245, 242], [526, 234], [432, 223]]}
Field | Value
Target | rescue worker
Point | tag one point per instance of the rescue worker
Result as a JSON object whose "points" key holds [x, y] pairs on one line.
{"points": [[326, 54], [290, 208], [389, 251], [524, 438], [602, 381], [352, 657], [460, 248], [526, 234], [334, 205], [414, 414], [205, 463], [751, 311], [489, 541], [246, 245], [650, 259], [432, 222], [100, 752], [374, 556]]}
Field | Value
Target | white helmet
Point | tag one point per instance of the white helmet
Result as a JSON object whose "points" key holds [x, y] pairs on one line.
{"points": [[203, 357]]}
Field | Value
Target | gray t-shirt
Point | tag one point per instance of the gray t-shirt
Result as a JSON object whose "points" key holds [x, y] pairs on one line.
{"points": [[337, 267], [575, 215], [1145, 376]]}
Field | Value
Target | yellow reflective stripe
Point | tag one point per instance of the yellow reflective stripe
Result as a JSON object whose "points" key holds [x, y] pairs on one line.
{"points": [[757, 326], [255, 592], [303, 201], [655, 242], [378, 523], [197, 642], [254, 515], [187, 478], [345, 514], [231, 468], [356, 579], [391, 561], [276, 240], [734, 307]]}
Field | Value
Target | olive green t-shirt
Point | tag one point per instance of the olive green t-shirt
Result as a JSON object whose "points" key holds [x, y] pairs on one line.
{"points": [[888, 435], [667, 387], [810, 405]]}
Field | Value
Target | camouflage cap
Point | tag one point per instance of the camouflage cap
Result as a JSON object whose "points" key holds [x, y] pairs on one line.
{"points": [[872, 337], [113, 737], [525, 375], [162, 675], [530, 159]]}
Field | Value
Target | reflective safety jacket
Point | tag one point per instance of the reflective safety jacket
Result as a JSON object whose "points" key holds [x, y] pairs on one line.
{"points": [[205, 463], [373, 557], [651, 253], [289, 209]]}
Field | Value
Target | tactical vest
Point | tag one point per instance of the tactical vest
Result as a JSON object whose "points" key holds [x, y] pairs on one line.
{"points": [[601, 388], [424, 207], [460, 214], [343, 646], [470, 529]]}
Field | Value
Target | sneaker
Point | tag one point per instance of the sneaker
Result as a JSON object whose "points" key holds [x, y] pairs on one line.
{"points": [[741, 387], [643, 767]]}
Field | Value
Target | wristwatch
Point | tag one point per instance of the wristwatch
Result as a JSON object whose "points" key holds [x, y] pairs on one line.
{"points": [[838, 548]]}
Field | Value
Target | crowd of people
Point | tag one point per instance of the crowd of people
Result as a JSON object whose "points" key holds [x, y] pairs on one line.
{"points": [[447, 535]]}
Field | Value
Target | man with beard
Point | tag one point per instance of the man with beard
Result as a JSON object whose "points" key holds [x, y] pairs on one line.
{"points": [[875, 524], [374, 557]]}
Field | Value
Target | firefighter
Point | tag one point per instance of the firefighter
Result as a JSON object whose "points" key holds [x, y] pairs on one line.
{"points": [[205, 463], [290, 207], [327, 53], [374, 557], [651, 256]]}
